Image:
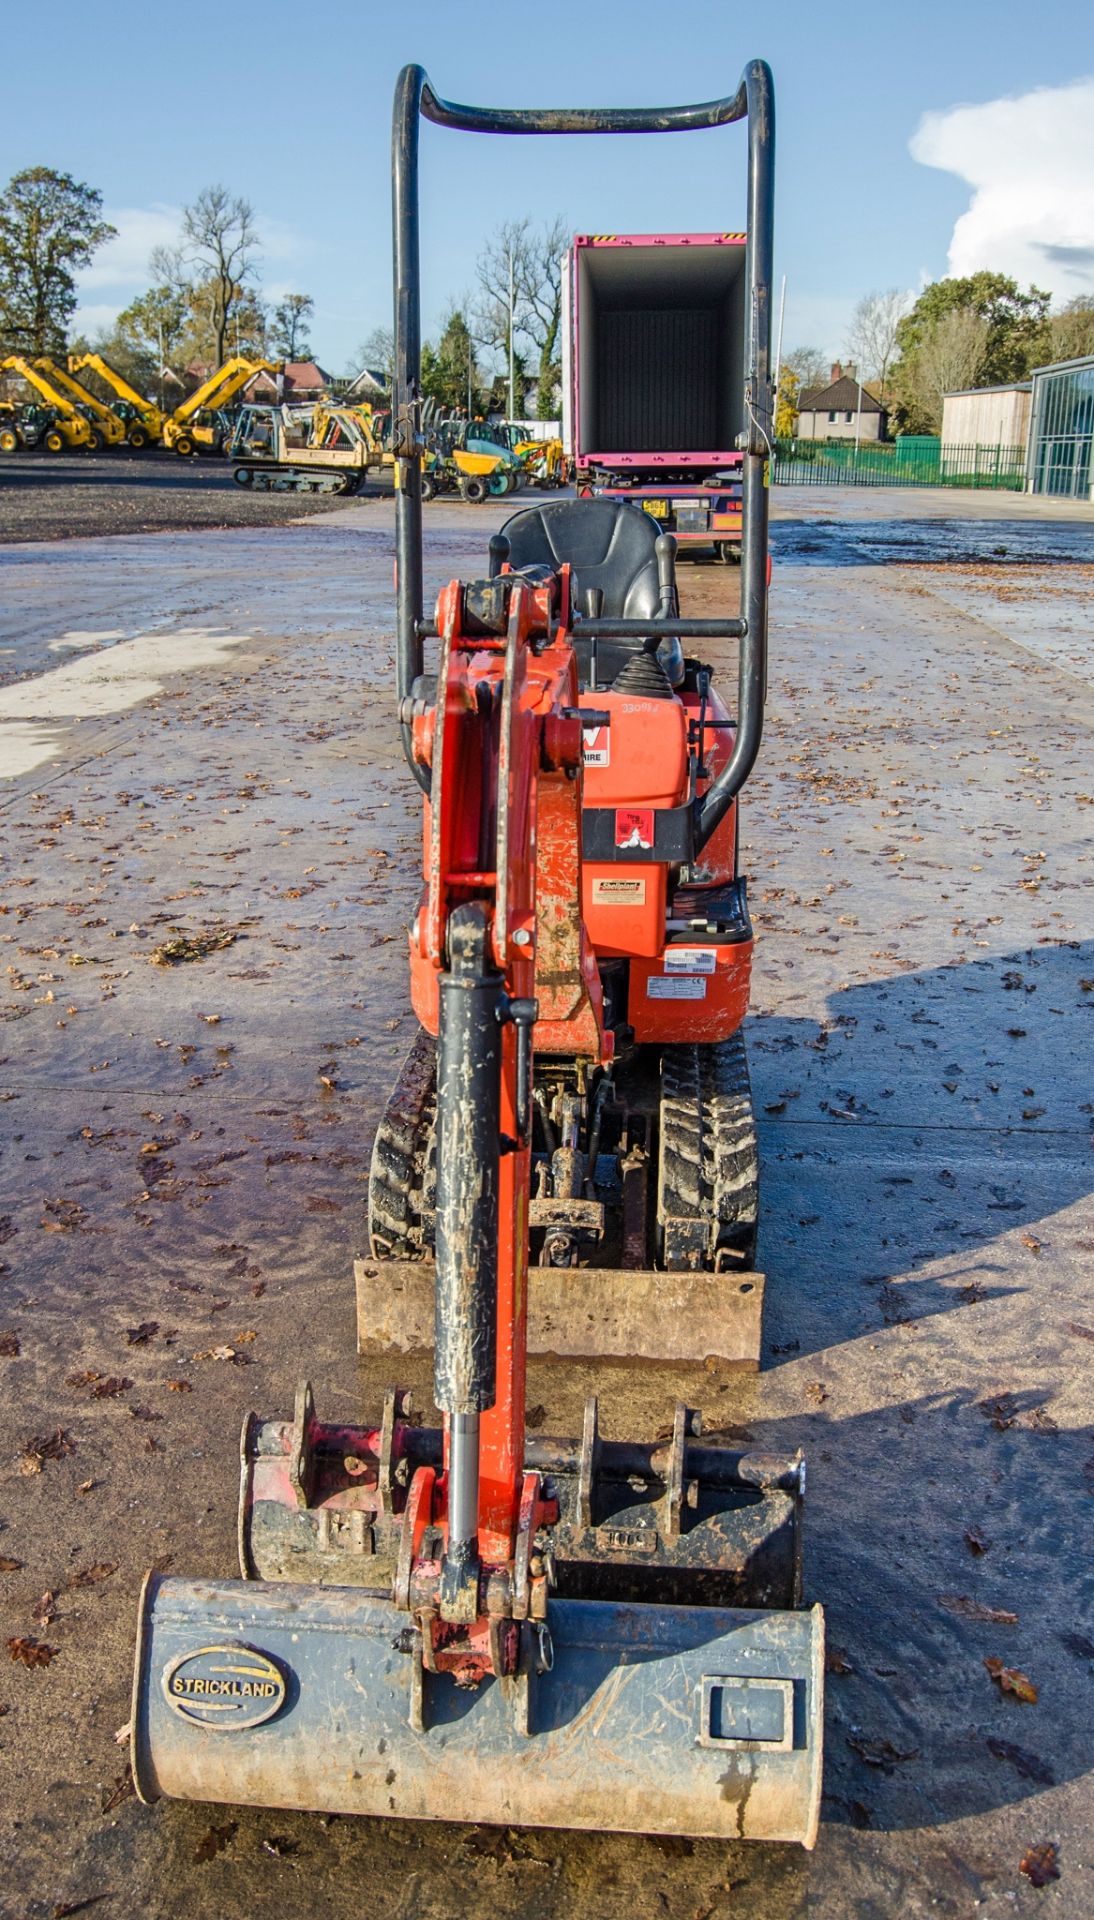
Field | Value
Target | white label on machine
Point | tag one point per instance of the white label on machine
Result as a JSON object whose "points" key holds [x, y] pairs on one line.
{"points": [[596, 746], [684, 988], [690, 960], [619, 893]]}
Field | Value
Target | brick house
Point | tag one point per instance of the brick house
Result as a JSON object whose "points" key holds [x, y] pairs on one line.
{"points": [[843, 410]]}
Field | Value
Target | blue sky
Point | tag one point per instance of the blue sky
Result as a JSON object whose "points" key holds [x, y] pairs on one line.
{"points": [[294, 113]]}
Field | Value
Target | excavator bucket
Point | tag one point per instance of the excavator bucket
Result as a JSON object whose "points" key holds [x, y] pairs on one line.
{"points": [[632, 1718]]}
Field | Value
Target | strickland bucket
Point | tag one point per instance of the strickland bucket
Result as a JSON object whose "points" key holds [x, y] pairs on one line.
{"points": [[688, 1720]]}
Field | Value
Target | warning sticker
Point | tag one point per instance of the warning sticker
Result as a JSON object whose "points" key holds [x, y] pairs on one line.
{"points": [[690, 960], [634, 826], [596, 746], [619, 893], [683, 988]]}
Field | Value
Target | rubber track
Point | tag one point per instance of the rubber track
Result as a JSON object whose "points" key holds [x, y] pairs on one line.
{"points": [[709, 1163], [402, 1182]]}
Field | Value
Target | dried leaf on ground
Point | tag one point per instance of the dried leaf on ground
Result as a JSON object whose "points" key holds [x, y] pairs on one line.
{"points": [[1039, 1864], [31, 1652], [45, 1610], [217, 1353], [179, 1386], [8, 1565], [68, 1907], [140, 1336], [968, 1609], [10, 1348], [192, 946], [879, 1753], [836, 1660], [1012, 1680], [1073, 1326], [975, 1541], [47, 1446], [215, 1840], [90, 1576], [1027, 1764], [321, 1203]]}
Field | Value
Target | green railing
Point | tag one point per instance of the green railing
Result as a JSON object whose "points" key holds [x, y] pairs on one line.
{"points": [[913, 461]]}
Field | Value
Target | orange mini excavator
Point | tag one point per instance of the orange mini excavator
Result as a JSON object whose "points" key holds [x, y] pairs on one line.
{"points": [[468, 1621]]}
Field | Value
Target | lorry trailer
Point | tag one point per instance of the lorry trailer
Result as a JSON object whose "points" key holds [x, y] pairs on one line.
{"points": [[653, 404]]}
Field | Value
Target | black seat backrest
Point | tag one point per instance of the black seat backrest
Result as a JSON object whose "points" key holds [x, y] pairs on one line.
{"points": [[608, 543]]}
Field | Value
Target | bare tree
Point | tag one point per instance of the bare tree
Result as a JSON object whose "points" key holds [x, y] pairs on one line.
{"points": [[529, 262], [221, 241], [810, 366], [377, 351], [872, 335], [950, 356]]}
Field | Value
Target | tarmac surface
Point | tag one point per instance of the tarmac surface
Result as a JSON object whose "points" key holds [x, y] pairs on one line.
{"points": [[196, 734]]}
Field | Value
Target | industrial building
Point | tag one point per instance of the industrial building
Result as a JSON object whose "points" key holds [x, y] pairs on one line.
{"points": [[1060, 458], [987, 416]]}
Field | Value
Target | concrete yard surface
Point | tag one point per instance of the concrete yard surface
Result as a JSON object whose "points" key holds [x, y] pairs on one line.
{"points": [[197, 744]]}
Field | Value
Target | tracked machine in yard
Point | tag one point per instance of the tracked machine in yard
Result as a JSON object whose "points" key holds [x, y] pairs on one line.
{"points": [[471, 1621]]}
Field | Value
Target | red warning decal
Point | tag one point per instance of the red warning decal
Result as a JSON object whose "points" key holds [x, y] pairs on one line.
{"points": [[634, 826]]}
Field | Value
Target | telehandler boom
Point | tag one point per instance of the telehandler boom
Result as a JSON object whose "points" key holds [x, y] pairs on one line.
{"points": [[69, 428], [107, 430], [184, 432], [144, 421]]}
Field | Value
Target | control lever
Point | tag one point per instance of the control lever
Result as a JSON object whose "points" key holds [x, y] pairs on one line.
{"points": [[593, 603], [499, 553], [665, 549]]}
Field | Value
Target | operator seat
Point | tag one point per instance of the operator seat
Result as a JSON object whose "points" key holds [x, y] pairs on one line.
{"points": [[611, 545]]}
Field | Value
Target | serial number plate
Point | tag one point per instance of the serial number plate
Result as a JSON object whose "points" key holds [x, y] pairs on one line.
{"points": [[658, 508]]}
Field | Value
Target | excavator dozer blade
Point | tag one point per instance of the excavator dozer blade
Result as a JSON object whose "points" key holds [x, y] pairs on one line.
{"points": [[630, 1718], [582, 1313]]}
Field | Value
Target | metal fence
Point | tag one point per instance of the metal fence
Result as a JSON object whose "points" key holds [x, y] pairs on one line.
{"points": [[913, 461]]}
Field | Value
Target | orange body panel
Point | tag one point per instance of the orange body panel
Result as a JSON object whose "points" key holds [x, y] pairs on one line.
{"points": [[695, 993], [639, 760]]}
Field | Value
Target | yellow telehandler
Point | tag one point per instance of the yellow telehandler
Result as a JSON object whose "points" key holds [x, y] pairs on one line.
{"points": [[144, 421], [107, 430], [184, 432], [70, 428]]}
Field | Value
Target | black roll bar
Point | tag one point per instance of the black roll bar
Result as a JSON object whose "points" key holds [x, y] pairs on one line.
{"points": [[754, 101]]}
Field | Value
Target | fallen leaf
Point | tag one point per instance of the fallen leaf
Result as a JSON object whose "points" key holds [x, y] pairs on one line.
{"points": [[45, 1610], [79, 1906], [215, 1840], [1012, 1680], [109, 1388], [967, 1609], [140, 1336], [10, 1348], [320, 1203], [32, 1653], [836, 1661], [1027, 1764], [1039, 1864], [817, 1392], [1030, 1240], [879, 1753], [8, 1565], [1073, 1326], [194, 946], [48, 1446], [216, 1353], [90, 1576], [179, 1386], [244, 1339]]}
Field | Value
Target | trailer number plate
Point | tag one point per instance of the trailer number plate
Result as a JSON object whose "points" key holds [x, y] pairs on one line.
{"points": [[658, 508], [684, 987]]}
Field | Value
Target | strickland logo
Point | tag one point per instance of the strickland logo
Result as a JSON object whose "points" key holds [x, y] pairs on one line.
{"points": [[225, 1687]]}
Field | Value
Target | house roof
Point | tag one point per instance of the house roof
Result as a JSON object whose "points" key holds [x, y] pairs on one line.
{"points": [[295, 373], [369, 380], [841, 397]]}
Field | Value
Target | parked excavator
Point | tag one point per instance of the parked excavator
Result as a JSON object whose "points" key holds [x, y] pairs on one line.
{"points": [[321, 448], [144, 421], [107, 430], [475, 1622], [69, 427], [194, 427]]}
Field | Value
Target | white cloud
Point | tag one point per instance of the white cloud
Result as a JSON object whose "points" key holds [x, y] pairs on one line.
{"points": [[123, 262], [1030, 162]]}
